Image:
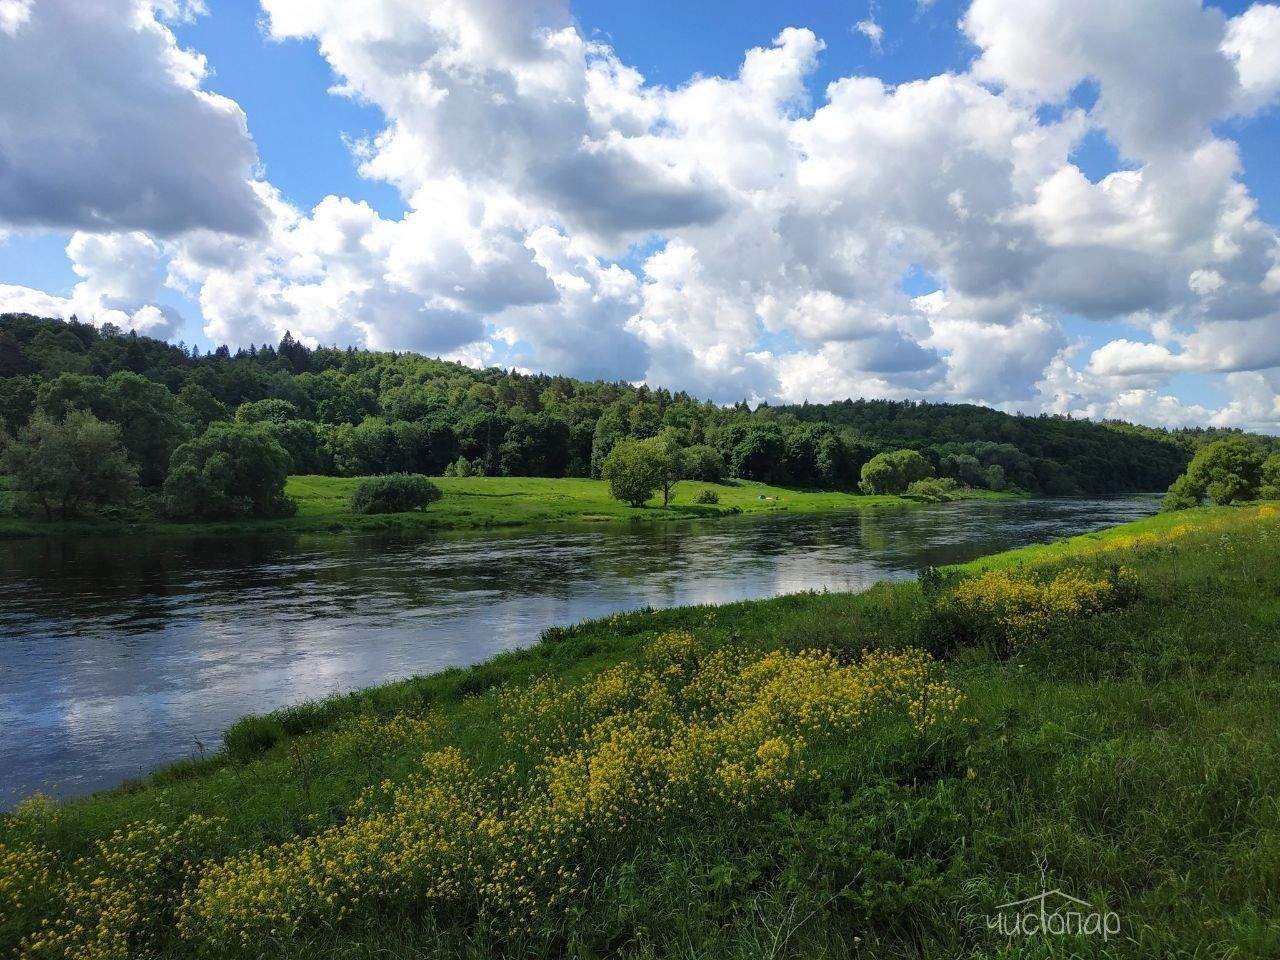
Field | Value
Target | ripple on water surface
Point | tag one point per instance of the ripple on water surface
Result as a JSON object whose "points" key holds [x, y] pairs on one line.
{"points": [[117, 655]]}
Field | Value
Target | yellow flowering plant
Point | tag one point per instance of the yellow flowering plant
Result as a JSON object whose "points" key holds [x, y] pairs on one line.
{"points": [[685, 732], [1012, 608]]}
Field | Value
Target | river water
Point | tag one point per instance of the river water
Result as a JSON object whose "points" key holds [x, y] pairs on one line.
{"points": [[117, 655]]}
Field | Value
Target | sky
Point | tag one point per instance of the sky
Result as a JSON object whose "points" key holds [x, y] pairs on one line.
{"points": [[1048, 206]]}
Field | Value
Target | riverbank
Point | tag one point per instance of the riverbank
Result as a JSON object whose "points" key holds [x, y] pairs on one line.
{"points": [[483, 503], [692, 780]]}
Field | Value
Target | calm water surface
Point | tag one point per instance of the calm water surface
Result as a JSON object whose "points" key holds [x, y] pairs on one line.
{"points": [[120, 654]]}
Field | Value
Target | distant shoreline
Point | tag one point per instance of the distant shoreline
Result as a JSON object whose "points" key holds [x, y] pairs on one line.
{"points": [[482, 503]]}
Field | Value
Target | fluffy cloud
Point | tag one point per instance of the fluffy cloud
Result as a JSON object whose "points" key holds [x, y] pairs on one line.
{"points": [[104, 125], [1161, 75], [121, 278], [1253, 43], [743, 235]]}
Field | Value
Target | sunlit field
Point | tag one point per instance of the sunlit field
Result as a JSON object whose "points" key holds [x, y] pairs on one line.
{"points": [[324, 503], [507, 501]]}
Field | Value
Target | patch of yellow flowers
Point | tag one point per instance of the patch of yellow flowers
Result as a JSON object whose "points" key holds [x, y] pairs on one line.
{"points": [[687, 731], [26, 872], [1018, 608], [111, 903]]}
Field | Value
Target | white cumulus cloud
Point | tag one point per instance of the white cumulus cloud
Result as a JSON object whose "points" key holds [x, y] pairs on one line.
{"points": [[738, 235]]}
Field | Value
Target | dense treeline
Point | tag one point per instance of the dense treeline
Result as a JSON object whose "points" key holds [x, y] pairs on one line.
{"points": [[1042, 454], [355, 412]]}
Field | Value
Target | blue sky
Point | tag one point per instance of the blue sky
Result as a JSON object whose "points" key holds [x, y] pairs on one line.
{"points": [[303, 133]]}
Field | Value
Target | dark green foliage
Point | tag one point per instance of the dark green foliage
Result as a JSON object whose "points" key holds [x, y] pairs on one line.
{"points": [[200, 407], [378, 446], [370, 413], [394, 493], [234, 470], [754, 451], [305, 443], [17, 401], [706, 497], [1092, 457], [61, 464], [536, 446], [271, 410], [703, 462], [1181, 496], [150, 420]]}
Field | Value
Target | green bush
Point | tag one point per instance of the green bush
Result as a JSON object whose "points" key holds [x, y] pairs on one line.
{"points": [[707, 496], [394, 493], [931, 490]]}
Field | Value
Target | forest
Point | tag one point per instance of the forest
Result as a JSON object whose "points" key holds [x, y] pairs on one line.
{"points": [[352, 412]]}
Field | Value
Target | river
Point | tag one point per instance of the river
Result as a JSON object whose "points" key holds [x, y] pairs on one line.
{"points": [[117, 655]]}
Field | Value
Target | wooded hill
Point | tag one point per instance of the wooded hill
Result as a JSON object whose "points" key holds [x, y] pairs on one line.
{"points": [[355, 412]]}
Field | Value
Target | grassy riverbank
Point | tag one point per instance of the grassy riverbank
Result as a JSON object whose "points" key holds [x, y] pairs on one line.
{"points": [[479, 503], [836, 775]]}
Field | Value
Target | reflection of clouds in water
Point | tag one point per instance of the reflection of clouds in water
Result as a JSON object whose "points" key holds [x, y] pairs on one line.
{"points": [[114, 655]]}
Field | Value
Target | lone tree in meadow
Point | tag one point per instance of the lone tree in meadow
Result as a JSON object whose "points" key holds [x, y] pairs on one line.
{"points": [[635, 470], [63, 464], [1225, 471]]}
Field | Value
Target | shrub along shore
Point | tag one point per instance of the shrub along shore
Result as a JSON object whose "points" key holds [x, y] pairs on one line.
{"points": [[324, 504], [842, 775]]}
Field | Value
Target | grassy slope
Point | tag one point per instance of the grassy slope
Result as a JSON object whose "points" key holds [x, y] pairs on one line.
{"points": [[479, 502], [1137, 752]]}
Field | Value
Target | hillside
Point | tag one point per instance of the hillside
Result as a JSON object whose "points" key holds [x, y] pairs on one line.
{"points": [[349, 412]]}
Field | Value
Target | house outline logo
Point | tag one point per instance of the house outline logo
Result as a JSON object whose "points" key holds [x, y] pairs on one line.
{"points": [[1031, 915]]}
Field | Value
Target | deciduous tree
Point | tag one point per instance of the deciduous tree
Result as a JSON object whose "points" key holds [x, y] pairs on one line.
{"points": [[63, 464], [633, 470], [233, 470]]}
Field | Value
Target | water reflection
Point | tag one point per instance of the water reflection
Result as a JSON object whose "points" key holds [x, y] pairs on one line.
{"points": [[116, 655]]}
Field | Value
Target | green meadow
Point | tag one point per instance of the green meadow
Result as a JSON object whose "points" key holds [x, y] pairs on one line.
{"points": [[818, 775], [477, 503]]}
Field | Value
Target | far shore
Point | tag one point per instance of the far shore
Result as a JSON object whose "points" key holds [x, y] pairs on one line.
{"points": [[477, 503]]}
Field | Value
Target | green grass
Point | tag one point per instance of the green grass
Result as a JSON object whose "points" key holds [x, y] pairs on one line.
{"points": [[1136, 752], [481, 502]]}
